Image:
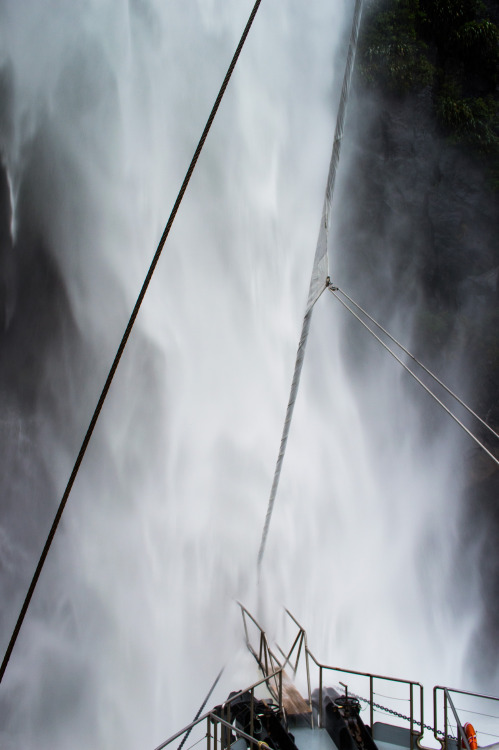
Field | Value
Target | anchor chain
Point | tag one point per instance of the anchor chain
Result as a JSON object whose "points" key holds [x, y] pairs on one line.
{"points": [[407, 718]]}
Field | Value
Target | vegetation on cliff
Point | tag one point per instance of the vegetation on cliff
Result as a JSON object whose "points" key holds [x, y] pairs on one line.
{"points": [[451, 46], [426, 173]]}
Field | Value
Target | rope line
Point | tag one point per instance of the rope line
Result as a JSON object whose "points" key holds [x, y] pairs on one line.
{"points": [[124, 341], [392, 698], [471, 711], [332, 289], [423, 367], [285, 433], [320, 267], [217, 678], [318, 281]]}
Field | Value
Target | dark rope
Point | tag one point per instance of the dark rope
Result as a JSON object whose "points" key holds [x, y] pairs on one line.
{"points": [[201, 708], [124, 341]]}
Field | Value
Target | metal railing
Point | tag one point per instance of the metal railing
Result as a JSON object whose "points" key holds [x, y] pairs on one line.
{"points": [[214, 722], [300, 643], [415, 723], [448, 702], [220, 730], [265, 657]]}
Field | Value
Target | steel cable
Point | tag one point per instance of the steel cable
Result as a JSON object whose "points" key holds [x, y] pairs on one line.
{"points": [[332, 289], [124, 341], [428, 372], [217, 678], [315, 283]]}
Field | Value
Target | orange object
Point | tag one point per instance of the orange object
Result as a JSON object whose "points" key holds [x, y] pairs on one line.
{"points": [[470, 733]]}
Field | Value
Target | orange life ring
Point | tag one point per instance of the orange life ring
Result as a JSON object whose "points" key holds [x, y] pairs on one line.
{"points": [[470, 733]]}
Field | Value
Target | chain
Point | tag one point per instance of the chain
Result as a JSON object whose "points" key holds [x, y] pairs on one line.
{"points": [[407, 718]]}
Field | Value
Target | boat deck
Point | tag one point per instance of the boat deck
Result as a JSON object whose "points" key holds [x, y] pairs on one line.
{"points": [[386, 737]]}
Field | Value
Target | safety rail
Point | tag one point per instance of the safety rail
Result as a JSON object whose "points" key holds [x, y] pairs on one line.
{"points": [[448, 702], [299, 647], [265, 657], [222, 740], [301, 642], [415, 724]]}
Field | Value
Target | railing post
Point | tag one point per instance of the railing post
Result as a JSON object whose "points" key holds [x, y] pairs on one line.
{"points": [[421, 708], [252, 713], [435, 720], [445, 720], [307, 664], [320, 696], [208, 734], [371, 699], [411, 713], [215, 735]]}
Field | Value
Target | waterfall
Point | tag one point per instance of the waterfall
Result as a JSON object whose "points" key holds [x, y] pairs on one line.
{"points": [[102, 106]]}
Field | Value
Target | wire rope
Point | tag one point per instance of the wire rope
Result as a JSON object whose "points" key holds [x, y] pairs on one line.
{"points": [[217, 678], [318, 282], [124, 341], [431, 374], [332, 289]]}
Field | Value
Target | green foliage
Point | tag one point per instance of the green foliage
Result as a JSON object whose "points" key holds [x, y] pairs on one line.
{"points": [[390, 53], [477, 42], [450, 45], [472, 121], [444, 15], [400, 67]]}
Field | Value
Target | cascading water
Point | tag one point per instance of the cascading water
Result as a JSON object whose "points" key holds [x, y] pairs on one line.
{"points": [[103, 103]]}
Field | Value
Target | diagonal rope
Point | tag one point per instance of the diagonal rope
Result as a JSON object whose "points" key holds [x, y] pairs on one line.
{"points": [[319, 279], [215, 683], [124, 341], [423, 367], [332, 289], [285, 433]]}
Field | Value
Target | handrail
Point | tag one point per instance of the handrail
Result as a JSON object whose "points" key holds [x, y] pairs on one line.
{"points": [[411, 683], [302, 635], [301, 644], [215, 718], [265, 658], [416, 726], [448, 701]]}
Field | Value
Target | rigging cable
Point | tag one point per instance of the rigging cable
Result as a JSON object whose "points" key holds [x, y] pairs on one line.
{"points": [[124, 341], [217, 678], [319, 280], [428, 372], [332, 289]]}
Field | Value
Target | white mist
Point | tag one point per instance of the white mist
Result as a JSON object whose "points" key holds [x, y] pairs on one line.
{"points": [[134, 613]]}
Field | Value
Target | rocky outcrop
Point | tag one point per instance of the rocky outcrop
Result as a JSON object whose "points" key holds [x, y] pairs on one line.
{"points": [[424, 229]]}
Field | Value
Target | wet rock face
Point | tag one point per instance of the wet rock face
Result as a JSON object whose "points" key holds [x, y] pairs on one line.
{"points": [[421, 236], [425, 227], [38, 338]]}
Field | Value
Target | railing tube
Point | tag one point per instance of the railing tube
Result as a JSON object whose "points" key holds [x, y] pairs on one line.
{"points": [[371, 699], [252, 713], [411, 714], [421, 709], [445, 719], [320, 696], [435, 719], [307, 664]]}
